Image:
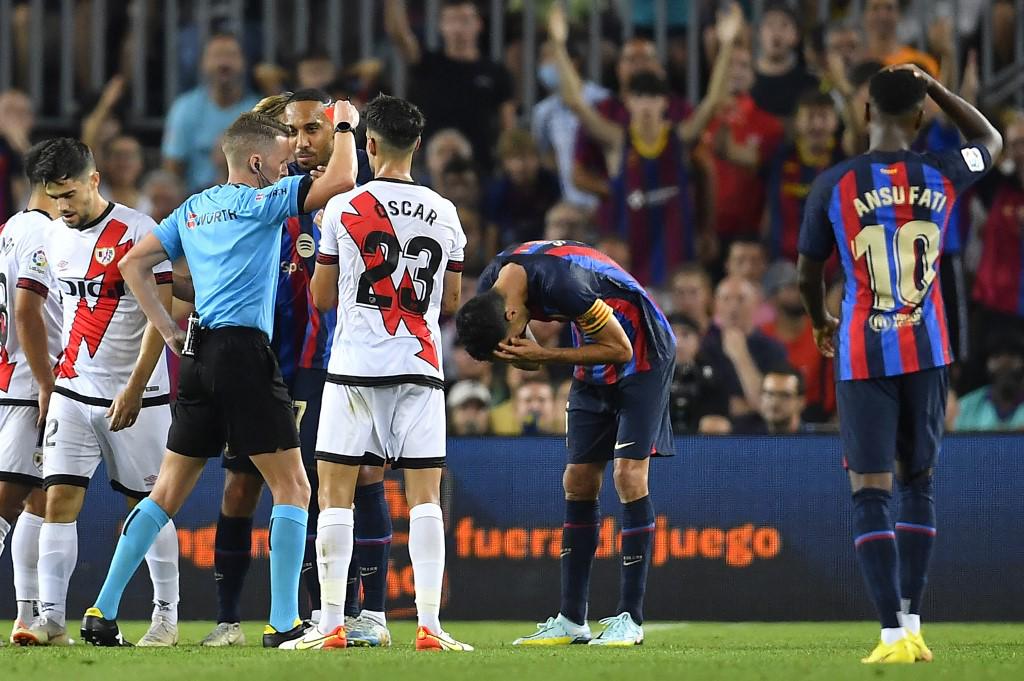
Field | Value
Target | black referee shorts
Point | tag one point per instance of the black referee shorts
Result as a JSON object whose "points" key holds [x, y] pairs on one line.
{"points": [[231, 392]]}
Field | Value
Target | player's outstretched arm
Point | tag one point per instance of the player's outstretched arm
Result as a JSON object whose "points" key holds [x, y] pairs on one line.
{"points": [[137, 269], [812, 292], [340, 174], [971, 123], [126, 406], [324, 287], [31, 326]]}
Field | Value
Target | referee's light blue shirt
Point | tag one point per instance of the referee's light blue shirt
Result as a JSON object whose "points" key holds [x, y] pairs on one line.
{"points": [[231, 237]]}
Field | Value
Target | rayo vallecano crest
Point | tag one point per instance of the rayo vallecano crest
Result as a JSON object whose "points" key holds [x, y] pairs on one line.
{"points": [[105, 256]]}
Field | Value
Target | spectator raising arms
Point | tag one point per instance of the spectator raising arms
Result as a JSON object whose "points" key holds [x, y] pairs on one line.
{"points": [[456, 87], [649, 158], [198, 117]]}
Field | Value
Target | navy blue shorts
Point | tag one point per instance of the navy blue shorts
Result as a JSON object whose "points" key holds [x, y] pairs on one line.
{"points": [[307, 394], [625, 420], [893, 418]]}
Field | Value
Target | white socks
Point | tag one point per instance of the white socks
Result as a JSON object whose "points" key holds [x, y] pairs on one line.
{"points": [[426, 550], [334, 542], [25, 559], [162, 561], [58, 554], [911, 623], [378, 617], [890, 636]]}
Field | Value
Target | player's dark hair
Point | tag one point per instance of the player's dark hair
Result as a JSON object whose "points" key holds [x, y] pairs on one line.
{"points": [[310, 94], [58, 159], [897, 92], [647, 84], [789, 370], [398, 122], [251, 133], [814, 98], [862, 72], [480, 324]]}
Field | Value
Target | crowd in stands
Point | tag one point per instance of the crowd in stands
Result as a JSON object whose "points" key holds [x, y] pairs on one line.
{"points": [[700, 200]]}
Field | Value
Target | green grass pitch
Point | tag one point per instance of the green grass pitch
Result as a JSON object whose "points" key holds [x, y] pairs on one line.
{"points": [[690, 651]]}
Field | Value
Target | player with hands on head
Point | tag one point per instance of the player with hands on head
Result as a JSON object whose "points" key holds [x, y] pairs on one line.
{"points": [[886, 212]]}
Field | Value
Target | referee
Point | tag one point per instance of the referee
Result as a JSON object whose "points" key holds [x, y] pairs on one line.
{"points": [[230, 388]]}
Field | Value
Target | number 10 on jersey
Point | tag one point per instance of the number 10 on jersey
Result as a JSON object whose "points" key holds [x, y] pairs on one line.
{"points": [[915, 247]]}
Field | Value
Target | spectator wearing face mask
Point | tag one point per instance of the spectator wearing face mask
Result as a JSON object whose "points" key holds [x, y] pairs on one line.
{"points": [[469, 404], [780, 76], [792, 328], [554, 125], [1000, 404]]}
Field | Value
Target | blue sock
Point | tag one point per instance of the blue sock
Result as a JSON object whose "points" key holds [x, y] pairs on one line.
{"points": [[579, 543], [372, 544], [231, 557], [875, 543], [138, 534], [310, 575], [637, 536], [915, 537], [352, 599], [287, 545]]}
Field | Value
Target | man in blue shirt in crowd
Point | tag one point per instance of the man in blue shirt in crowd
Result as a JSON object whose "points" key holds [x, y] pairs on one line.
{"points": [[230, 388]]}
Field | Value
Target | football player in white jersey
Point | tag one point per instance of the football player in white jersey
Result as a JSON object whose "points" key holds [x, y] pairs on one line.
{"points": [[110, 398], [25, 303], [390, 261]]}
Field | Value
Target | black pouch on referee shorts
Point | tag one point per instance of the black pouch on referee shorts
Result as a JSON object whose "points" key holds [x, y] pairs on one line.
{"points": [[191, 344]]}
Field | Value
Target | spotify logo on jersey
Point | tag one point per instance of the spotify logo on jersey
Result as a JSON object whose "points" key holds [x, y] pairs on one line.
{"points": [[305, 246]]}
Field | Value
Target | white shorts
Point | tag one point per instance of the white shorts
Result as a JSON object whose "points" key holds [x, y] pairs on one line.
{"points": [[403, 425], [21, 456], [77, 436]]}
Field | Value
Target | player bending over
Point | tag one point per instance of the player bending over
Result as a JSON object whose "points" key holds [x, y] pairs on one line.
{"points": [[886, 212], [618, 406], [34, 311], [111, 399], [390, 261]]}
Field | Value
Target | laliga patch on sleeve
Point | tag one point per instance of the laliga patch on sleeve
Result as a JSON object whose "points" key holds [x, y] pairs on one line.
{"points": [[973, 158]]}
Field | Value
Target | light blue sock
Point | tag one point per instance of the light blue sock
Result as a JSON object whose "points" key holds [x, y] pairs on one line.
{"points": [[138, 534], [287, 546]]}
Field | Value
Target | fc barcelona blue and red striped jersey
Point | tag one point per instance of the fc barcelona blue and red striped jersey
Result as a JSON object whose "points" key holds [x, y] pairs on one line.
{"points": [[302, 334], [652, 206], [565, 281], [887, 214]]}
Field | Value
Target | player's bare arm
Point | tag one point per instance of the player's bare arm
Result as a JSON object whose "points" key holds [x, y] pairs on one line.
{"points": [[31, 326], [452, 295], [968, 120], [608, 134], [812, 291], [340, 174], [137, 269], [609, 343], [126, 406], [324, 287], [729, 30]]}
